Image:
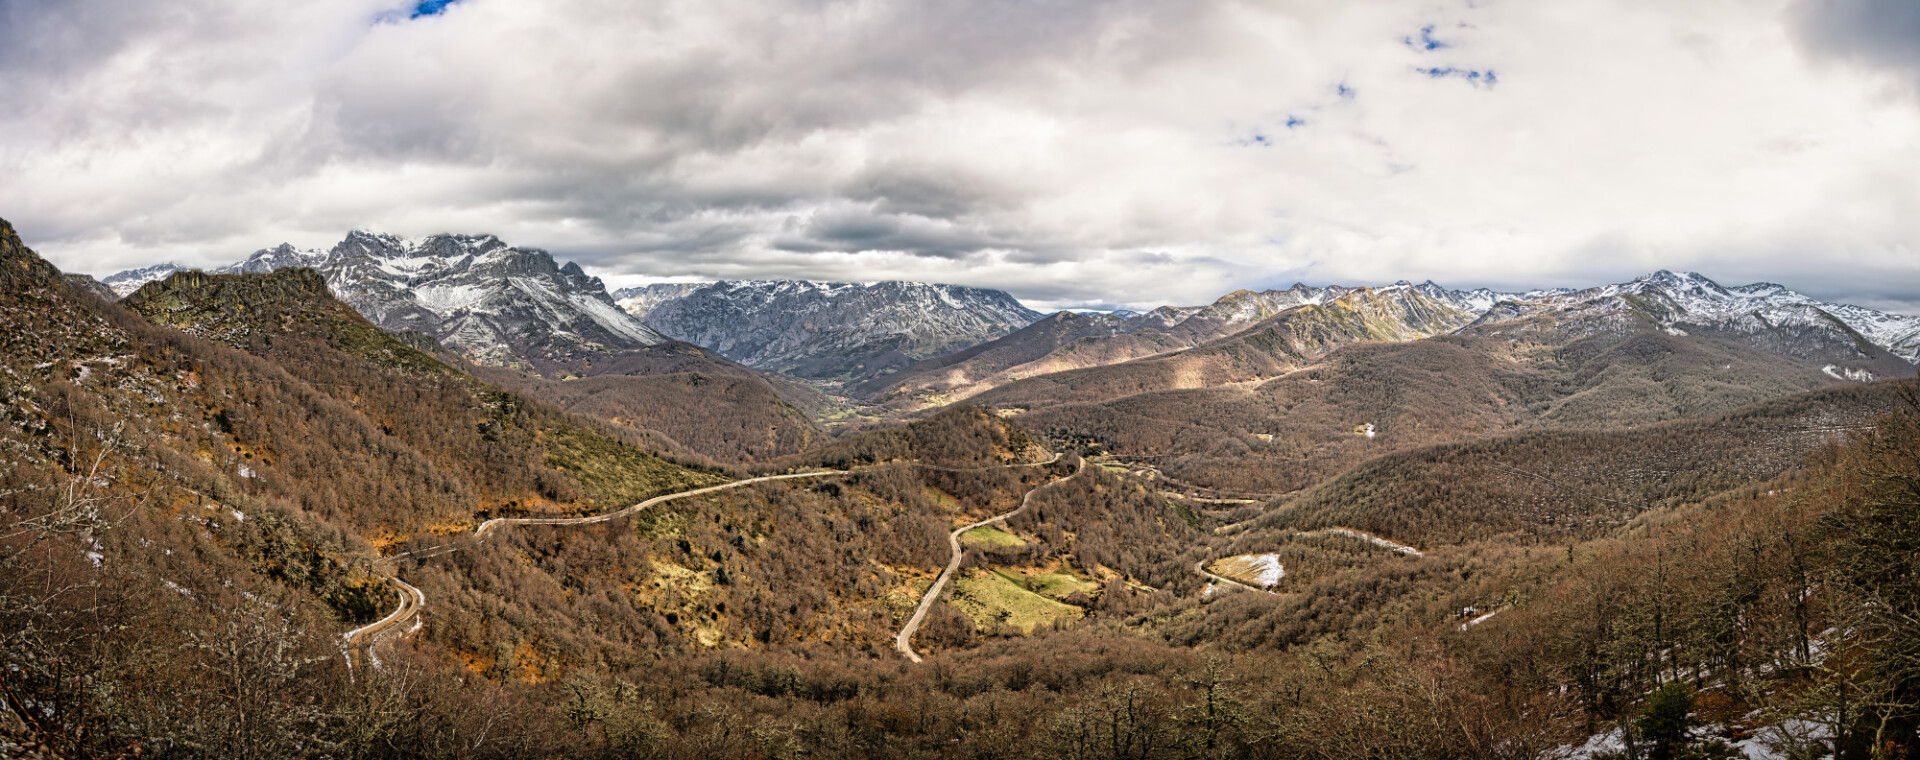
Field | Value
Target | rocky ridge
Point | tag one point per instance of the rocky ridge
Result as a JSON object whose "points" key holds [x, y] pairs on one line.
{"points": [[124, 283], [490, 302], [830, 330], [1764, 315]]}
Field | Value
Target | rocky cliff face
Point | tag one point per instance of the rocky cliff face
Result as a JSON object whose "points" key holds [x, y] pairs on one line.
{"points": [[641, 301], [834, 331], [492, 303]]}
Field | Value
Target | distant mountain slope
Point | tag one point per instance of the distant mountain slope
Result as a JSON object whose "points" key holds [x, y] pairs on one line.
{"points": [[1560, 485], [1067, 341], [642, 300], [1254, 413], [1290, 339], [87, 283], [128, 281], [1767, 315], [494, 303], [707, 404], [831, 331], [272, 259]]}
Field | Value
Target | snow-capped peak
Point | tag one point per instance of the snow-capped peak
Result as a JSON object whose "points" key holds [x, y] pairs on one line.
{"points": [[1682, 302], [124, 283], [282, 256], [828, 329], [495, 303]]}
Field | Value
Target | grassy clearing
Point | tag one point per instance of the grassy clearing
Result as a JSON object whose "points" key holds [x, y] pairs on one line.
{"points": [[1052, 585], [992, 599], [942, 498], [990, 537]]}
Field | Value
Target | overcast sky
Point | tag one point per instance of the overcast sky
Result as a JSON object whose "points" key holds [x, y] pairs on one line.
{"points": [[1073, 152]]}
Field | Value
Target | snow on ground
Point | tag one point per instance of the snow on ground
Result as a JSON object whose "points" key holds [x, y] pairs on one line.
{"points": [[1610, 742], [1378, 541], [1480, 619], [445, 299], [1266, 569], [1792, 738], [1856, 375]]}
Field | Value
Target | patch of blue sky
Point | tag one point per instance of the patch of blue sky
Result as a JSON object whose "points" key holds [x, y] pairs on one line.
{"points": [[1475, 77], [438, 6], [420, 9], [1425, 41], [1263, 139]]}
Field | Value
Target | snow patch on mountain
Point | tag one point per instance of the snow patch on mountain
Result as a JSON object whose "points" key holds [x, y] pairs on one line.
{"points": [[641, 301], [829, 330], [1856, 375], [1684, 302], [283, 256], [124, 283]]}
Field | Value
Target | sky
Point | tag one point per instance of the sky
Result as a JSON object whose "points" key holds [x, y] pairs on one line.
{"points": [[1076, 153]]}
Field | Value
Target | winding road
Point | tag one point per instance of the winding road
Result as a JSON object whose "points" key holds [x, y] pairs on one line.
{"points": [[412, 600], [904, 641], [364, 637]]}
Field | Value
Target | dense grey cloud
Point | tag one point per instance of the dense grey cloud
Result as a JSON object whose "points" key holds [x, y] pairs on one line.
{"points": [[1075, 152], [1879, 33]]}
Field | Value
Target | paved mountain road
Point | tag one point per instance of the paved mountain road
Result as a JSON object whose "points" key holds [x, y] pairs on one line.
{"points": [[904, 641], [364, 637], [412, 600]]}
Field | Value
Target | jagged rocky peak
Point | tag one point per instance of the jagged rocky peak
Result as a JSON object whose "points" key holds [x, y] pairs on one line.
{"points": [[829, 330], [282, 256], [124, 283], [492, 302], [640, 301]]}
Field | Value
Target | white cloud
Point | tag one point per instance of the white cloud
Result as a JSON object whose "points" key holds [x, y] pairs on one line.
{"points": [[1120, 152]]}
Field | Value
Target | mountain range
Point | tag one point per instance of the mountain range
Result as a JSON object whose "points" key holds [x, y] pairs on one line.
{"points": [[917, 345], [1763, 314]]}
